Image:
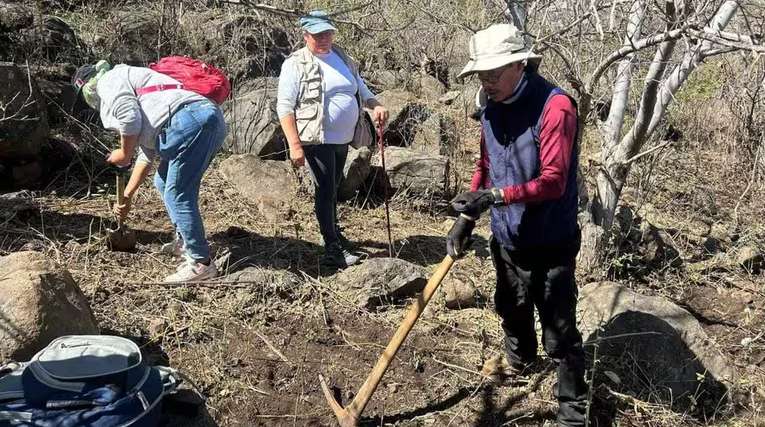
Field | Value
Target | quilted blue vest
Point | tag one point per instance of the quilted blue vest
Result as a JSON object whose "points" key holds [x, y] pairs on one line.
{"points": [[511, 133]]}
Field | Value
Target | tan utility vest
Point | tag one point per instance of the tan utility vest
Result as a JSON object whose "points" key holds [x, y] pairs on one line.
{"points": [[309, 109]]}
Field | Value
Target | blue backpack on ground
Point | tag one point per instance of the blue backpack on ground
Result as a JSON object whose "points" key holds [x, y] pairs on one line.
{"points": [[85, 380]]}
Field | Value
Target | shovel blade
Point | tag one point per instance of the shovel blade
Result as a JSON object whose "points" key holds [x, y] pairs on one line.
{"points": [[121, 240]]}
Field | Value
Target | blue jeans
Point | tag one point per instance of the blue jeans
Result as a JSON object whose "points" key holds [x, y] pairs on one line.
{"points": [[186, 147]]}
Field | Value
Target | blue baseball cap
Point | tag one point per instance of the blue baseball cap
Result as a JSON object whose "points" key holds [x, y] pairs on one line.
{"points": [[316, 22]]}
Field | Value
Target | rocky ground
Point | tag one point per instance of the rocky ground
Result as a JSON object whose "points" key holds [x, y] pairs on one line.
{"points": [[255, 342]]}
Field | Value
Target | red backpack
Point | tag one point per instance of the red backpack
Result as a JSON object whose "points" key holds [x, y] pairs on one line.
{"points": [[194, 75]]}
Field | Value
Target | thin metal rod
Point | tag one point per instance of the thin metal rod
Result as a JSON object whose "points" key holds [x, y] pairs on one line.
{"points": [[381, 143]]}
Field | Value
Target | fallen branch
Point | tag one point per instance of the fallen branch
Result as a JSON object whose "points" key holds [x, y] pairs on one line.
{"points": [[271, 346]]}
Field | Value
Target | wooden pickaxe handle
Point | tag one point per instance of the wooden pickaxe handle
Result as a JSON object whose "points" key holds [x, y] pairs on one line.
{"points": [[349, 416]]}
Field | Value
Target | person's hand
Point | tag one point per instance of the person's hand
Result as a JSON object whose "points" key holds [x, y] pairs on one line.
{"points": [[297, 156], [473, 203], [122, 210], [458, 239], [119, 158], [380, 115]]}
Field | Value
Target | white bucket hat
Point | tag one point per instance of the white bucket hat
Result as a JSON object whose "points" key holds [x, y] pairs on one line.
{"points": [[498, 45]]}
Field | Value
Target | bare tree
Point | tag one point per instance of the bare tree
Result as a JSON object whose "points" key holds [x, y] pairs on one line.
{"points": [[662, 43]]}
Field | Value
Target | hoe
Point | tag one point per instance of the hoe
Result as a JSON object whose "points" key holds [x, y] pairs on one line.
{"points": [[349, 416]]}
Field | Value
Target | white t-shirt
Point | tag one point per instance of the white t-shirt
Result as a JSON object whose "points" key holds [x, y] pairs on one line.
{"points": [[341, 110], [144, 116]]}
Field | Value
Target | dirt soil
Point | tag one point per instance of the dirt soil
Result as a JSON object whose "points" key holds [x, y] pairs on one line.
{"points": [[255, 350]]}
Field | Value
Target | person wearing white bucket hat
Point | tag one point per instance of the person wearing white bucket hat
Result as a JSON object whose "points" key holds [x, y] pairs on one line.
{"points": [[526, 177]]}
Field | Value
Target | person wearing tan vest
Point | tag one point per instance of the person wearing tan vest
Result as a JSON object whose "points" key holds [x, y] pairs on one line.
{"points": [[319, 104]]}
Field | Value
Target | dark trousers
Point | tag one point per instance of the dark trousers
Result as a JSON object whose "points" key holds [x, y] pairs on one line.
{"points": [[545, 279], [326, 162]]}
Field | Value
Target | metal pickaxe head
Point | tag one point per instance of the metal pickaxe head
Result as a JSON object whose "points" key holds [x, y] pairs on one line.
{"points": [[346, 417]]}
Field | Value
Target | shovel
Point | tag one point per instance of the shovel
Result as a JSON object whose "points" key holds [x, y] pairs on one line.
{"points": [[349, 416], [120, 239]]}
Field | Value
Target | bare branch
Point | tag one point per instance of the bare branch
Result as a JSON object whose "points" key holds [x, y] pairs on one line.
{"points": [[690, 61], [637, 134], [613, 125]]}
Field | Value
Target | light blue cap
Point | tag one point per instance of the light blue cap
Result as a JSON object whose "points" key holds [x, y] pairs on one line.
{"points": [[316, 21]]}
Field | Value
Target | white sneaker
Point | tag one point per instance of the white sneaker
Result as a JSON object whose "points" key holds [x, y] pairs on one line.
{"points": [[175, 248], [192, 272]]}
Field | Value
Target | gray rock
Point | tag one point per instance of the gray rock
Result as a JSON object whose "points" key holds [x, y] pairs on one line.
{"points": [[380, 281], [282, 283], [125, 36], [25, 128], [723, 232], [653, 336], [431, 88], [406, 112], [385, 79], [39, 302], [449, 97], [417, 172], [750, 259], [269, 184], [436, 135], [355, 172], [656, 248], [14, 17], [459, 294], [253, 124]]}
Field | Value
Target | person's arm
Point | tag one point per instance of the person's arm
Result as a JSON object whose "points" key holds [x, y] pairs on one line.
{"points": [[556, 142], [122, 105], [286, 100], [121, 157], [379, 112], [289, 127], [140, 172], [481, 173]]}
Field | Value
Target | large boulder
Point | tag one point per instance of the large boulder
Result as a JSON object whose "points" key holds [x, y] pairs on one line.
{"points": [[355, 172], [431, 88], [38, 303], [62, 102], [415, 171], [25, 126], [652, 336], [406, 112], [436, 135], [130, 36], [15, 17], [55, 38], [269, 184], [260, 44], [253, 124], [381, 281]]}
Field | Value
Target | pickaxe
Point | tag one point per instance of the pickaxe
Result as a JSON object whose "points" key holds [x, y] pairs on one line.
{"points": [[349, 416]]}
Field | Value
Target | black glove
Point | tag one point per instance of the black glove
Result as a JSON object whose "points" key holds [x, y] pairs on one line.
{"points": [[458, 240], [473, 203]]}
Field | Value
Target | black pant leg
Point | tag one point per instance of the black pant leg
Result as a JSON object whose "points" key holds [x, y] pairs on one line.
{"points": [[321, 163], [515, 307], [556, 303], [341, 154]]}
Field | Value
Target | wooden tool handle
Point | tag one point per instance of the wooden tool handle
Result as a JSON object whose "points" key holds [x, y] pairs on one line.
{"points": [[369, 386], [120, 195]]}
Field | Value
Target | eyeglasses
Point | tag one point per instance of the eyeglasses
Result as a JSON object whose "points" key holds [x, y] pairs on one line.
{"points": [[493, 76]]}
